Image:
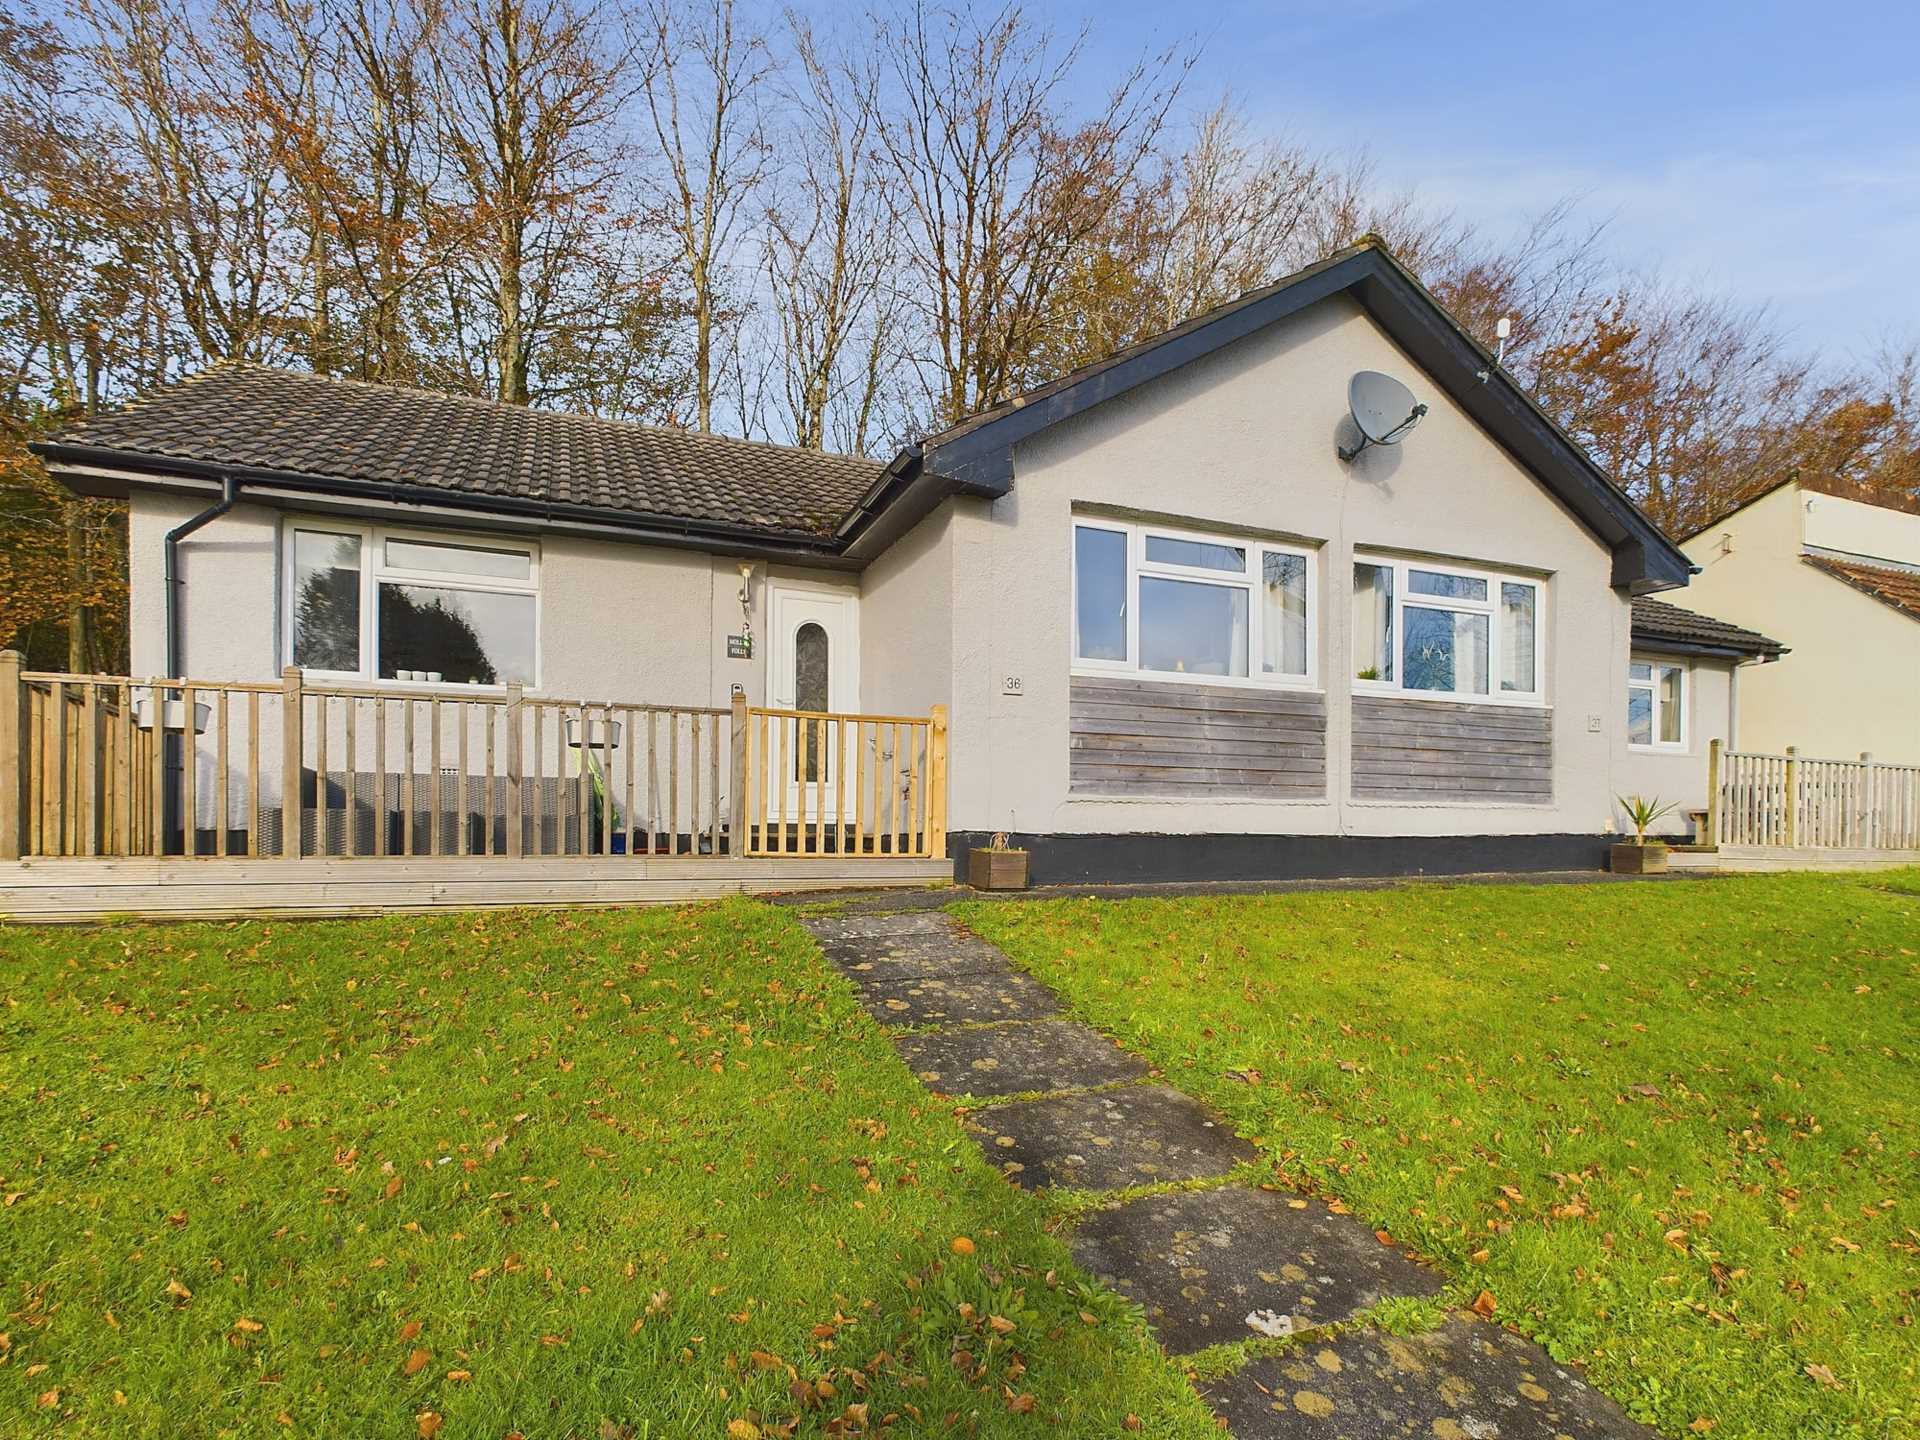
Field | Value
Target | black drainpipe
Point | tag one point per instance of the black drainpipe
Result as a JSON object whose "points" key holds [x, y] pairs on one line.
{"points": [[229, 492]]}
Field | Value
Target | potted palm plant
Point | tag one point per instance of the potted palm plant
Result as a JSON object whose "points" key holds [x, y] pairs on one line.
{"points": [[996, 865], [1641, 856]]}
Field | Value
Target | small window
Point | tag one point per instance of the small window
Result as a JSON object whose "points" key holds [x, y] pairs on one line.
{"points": [[810, 687], [479, 560], [1657, 705], [1100, 593], [326, 600], [1422, 629], [1169, 603], [1518, 605], [367, 603], [1373, 622], [1197, 554], [1283, 648]]}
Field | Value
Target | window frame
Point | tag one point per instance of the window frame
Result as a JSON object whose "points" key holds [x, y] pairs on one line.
{"points": [[374, 570], [1249, 581], [1656, 663], [1492, 607]]}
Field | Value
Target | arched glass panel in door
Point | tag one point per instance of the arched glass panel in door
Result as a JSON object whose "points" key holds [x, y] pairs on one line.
{"points": [[810, 692]]}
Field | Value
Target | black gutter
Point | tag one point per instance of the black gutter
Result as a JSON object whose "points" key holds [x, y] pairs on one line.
{"points": [[794, 545], [229, 492], [879, 493]]}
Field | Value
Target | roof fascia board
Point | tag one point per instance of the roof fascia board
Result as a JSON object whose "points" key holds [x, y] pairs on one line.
{"points": [[984, 457], [1644, 559], [1660, 645], [443, 510]]}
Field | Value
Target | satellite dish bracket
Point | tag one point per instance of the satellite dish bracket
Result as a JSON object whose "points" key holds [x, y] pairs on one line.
{"points": [[1349, 453]]}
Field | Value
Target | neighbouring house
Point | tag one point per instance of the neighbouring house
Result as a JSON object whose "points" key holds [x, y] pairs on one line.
{"points": [[1837, 577], [1684, 674], [1176, 635]]}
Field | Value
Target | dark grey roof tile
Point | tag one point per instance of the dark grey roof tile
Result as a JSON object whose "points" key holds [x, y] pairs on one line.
{"points": [[1657, 620], [263, 418]]}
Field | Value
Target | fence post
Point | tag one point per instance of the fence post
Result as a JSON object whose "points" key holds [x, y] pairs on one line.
{"points": [[292, 760], [1713, 790], [514, 771], [937, 783], [1793, 796], [16, 778], [1869, 808], [737, 811]]}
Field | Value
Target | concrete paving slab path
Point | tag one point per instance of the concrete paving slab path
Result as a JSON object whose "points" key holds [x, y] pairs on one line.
{"points": [[1017, 1059], [1212, 1266], [1468, 1380], [1109, 1140], [1208, 1265], [959, 1000]]}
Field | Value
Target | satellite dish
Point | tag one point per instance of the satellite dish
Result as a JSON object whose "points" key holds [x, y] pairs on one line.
{"points": [[1383, 409]]}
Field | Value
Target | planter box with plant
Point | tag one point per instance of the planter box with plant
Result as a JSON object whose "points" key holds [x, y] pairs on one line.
{"points": [[997, 865], [1641, 856]]}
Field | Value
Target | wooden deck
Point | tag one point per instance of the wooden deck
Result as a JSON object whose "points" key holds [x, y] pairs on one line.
{"points": [[51, 890]]}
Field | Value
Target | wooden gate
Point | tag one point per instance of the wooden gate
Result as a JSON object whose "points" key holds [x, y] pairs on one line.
{"points": [[824, 785]]}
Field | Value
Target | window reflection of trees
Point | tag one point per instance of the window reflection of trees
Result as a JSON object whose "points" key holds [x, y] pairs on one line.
{"points": [[327, 608], [426, 630]]}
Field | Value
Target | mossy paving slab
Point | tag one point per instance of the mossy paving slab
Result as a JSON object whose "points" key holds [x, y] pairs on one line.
{"points": [[1235, 1263], [870, 927], [914, 957], [1140, 1135], [959, 1000], [1468, 1380], [1012, 1059]]}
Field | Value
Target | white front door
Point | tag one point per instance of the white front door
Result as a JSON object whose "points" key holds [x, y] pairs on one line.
{"points": [[814, 667]]}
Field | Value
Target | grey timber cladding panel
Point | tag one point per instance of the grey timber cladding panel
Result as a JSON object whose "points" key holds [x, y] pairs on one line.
{"points": [[1422, 751], [1154, 737]]}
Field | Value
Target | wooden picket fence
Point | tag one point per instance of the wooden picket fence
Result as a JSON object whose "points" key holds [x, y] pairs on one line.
{"points": [[111, 765], [853, 785], [1793, 801]]}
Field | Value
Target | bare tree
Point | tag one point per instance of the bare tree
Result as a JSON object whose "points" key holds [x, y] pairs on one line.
{"points": [[704, 75], [528, 94], [1243, 212], [828, 245], [202, 200], [999, 189]]}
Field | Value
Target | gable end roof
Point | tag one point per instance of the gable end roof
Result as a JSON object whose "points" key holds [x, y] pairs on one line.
{"points": [[976, 455]]}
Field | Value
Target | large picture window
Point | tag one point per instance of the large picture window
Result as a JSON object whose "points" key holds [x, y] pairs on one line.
{"points": [[368, 603], [1657, 705], [1165, 602], [1430, 628]]}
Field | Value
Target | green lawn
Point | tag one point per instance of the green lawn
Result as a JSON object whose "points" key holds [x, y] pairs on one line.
{"points": [[648, 1174], [1672, 1129]]}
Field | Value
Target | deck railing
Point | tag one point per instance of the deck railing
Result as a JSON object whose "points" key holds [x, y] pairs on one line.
{"points": [[1795, 801], [112, 765], [823, 784]]}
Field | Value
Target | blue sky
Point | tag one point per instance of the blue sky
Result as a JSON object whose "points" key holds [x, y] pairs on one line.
{"points": [[1768, 150]]}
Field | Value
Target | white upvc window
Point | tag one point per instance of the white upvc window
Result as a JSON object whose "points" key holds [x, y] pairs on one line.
{"points": [[1168, 603], [1434, 628], [372, 602], [1657, 704]]}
